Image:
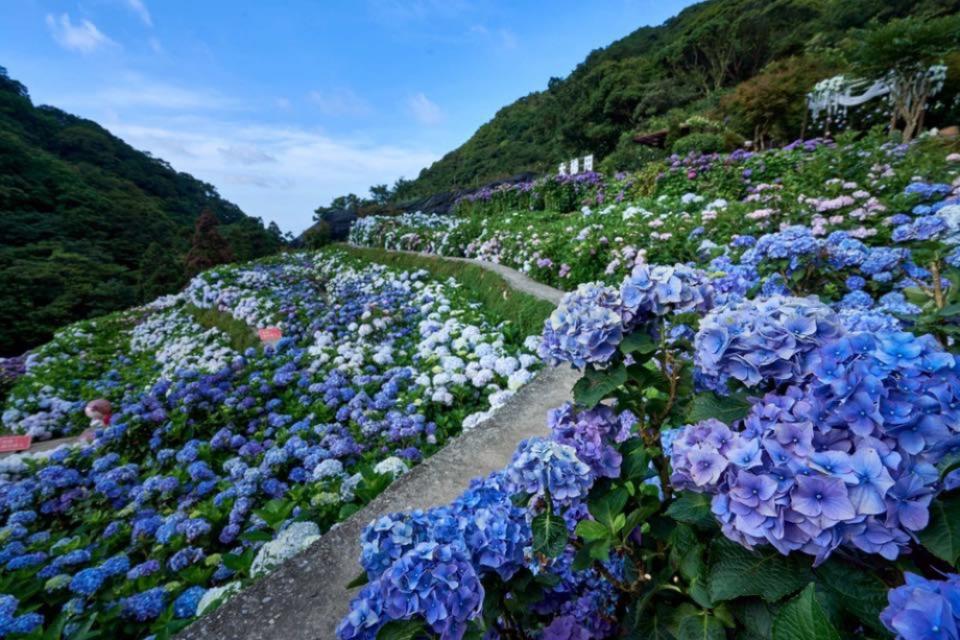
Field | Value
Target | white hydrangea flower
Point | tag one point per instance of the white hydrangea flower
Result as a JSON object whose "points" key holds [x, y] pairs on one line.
{"points": [[392, 466], [291, 541], [329, 468], [217, 596]]}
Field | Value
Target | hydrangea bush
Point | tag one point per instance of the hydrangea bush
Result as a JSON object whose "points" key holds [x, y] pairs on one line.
{"points": [[218, 463], [764, 442]]}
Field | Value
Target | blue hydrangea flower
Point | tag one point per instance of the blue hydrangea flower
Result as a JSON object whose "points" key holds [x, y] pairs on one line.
{"points": [[585, 328], [185, 605], [88, 581], [435, 582], [144, 606], [924, 609], [660, 290], [542, 466], [753, 341]]}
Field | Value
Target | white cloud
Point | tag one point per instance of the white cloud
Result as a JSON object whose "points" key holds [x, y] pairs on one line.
{"points": [[340, 102], [138, 7], [308, 169], [397, 11], [502, 39], [83, 37], [424, 110], [508, 39], [245, 154], [133, 90]]}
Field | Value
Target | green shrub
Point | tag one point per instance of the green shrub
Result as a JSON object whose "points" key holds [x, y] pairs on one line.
{"points": [[241, 335], [702, 142], [317, 236]]}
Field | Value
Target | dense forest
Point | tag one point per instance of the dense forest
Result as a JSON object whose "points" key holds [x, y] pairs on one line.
{"points": [[90, 224], [717, 58]]}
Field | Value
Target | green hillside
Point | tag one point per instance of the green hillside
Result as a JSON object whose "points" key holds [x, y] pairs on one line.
{"points": [[80, 209], [657, 76]]}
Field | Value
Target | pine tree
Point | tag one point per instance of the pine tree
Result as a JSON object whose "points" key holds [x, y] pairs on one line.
{"points": [[208, 248]]}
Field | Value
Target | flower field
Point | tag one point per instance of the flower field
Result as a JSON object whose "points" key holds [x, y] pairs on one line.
{"points": [[223, 456], [765, 442], [683, 210]]}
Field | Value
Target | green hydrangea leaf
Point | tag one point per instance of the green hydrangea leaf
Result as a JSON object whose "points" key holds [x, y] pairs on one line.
{"points": [[595, 385], [804, 619], [726, 409], [735, 572], [942, 535], [549, 534]]}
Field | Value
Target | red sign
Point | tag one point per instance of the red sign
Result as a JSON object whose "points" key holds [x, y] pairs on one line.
{"points": [[270, 335], [9, 444]]}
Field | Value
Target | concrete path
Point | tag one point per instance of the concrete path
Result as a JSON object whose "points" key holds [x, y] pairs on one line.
{"points": [[307, 596], [514, 278], [44, 445]]}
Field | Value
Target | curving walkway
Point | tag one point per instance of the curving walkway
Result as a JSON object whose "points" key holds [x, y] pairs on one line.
{"points": [[514, 278], [307, 596]]}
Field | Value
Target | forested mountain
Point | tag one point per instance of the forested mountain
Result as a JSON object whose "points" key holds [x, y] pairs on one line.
{"points": [[90, 224], [656, 76]]}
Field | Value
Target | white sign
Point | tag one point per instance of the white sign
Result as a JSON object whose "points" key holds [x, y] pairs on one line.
{"points": [[562, 169], [574, 166], [588, 163]]}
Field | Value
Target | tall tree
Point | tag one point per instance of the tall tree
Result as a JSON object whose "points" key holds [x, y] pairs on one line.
{"points": [[208, 248], [160, 272], [380, 193]]}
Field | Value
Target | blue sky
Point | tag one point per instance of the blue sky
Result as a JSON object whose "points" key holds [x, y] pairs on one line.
{"points": [[284, 105]]}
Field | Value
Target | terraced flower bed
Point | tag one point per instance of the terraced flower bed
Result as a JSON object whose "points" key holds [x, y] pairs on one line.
{"points": [[221, 459]]}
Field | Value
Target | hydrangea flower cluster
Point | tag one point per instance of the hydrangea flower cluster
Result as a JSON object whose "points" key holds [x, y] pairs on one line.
{"points": [[662, 291], [846, 455], [592, 435], [589, 324], [437, 582], [753, 341], [11, 623], [547, 467], [924, 609], [585, 328], [482, 531]]}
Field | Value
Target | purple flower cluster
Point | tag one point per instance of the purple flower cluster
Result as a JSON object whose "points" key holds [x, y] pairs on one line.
{"points": [[845, 456], [924, 609], [592, 435]]}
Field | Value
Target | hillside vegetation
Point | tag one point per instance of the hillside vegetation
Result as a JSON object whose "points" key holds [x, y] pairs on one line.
{"points": [[656, 77], [90, 224]]}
